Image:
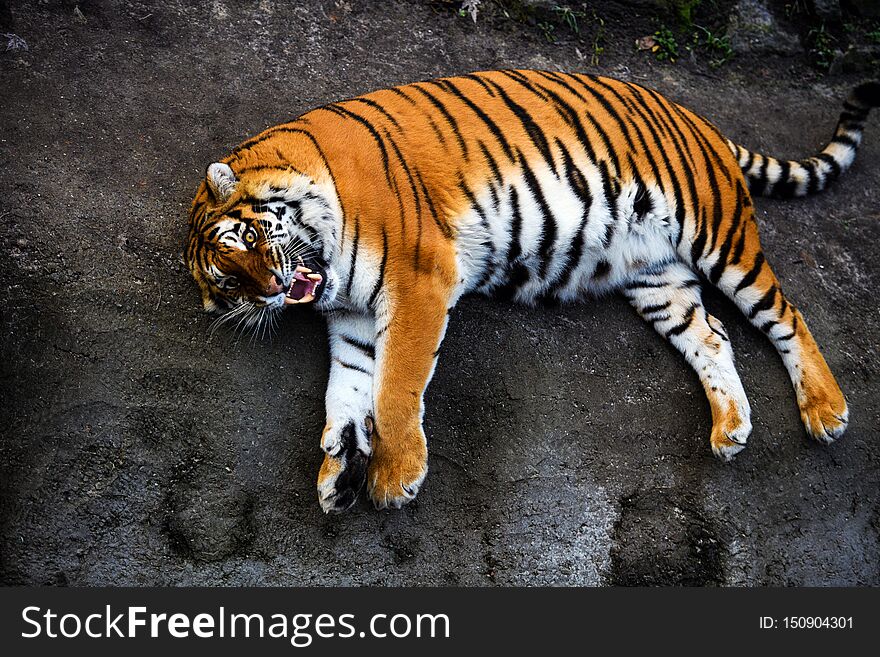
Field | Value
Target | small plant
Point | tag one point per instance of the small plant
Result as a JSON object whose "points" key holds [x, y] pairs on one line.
{"points": [[718, 47], [470, 8], [665, 46], [685, 10], [570, 17], [874, 35], [598, 40], [548, 28], [822, 48]]}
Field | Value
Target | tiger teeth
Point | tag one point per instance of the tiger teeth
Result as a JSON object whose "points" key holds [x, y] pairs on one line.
{"points": [[306, 299]]}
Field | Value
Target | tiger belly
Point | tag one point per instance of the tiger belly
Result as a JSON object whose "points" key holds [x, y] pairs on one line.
{"points": [[535, 237]]}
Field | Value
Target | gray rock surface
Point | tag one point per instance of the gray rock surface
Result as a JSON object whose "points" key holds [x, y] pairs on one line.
{"points": [[753, 29]]}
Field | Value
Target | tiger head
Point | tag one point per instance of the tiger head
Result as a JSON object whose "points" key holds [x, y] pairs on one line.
{"points": [[261, 243]]}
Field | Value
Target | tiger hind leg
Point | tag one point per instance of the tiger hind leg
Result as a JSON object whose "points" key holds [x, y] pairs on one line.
{"points": [[668, 297], [753, 287]]}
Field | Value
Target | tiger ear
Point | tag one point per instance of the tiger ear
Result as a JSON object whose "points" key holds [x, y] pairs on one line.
{"points": [[221, 181]]}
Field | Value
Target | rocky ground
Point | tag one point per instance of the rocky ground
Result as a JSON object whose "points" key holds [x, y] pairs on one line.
{"points": [[568, 446]]}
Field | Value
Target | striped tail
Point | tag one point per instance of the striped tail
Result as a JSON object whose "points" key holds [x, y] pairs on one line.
{"points": [[768, 176]]}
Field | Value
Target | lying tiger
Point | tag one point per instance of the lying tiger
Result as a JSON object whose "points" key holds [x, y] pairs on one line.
{"points": [[531, 185]]}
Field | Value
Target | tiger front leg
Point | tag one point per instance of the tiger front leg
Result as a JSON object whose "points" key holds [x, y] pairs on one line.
{"points": [[410, 328], [347, 434]]}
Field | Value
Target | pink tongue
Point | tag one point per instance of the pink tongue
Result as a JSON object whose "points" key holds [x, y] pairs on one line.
{"points": [[301, 287]]}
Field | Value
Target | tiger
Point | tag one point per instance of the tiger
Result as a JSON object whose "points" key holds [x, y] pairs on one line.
{"points": [[382, 211]]}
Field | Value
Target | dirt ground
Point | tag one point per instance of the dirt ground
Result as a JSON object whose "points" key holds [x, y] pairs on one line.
{"points": [[568, 446]]}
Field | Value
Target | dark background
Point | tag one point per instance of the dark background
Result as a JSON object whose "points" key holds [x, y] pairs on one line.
{"points": [[568, 446]]}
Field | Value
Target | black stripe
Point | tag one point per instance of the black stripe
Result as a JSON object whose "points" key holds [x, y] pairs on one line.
{"points": [[649, 310], [752, 274], [846, 140], [493, 165], [472, 200], [341, 111], [484, 221], [707, 147], [740, 245], [525, 83], [723, 253], [638, 285], [351, 366], [431, 122], [835, 167], [444, 228], [480, 81], [381, 278], [713, 329], [760, 181], [603, 268], [376, 106], [643, 204], [665, 121], [449, 87], [365, 348], [699, 243], [688, 318], [517, 273], [610, 200], [595, 128], [453, 124], [609, 109], [576, 179], [813, 179], [647, 152], [682, 150], [786, 187], [576, 122], [515, 249], [354, 255], [580, 186], [571, 117], [549, 230], [749, 162], [410, 180], [399, 92], [765, 303], [717, 208], [784, 338]]}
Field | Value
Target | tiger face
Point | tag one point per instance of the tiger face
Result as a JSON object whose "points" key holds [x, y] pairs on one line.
{"points": [[256, 249]]}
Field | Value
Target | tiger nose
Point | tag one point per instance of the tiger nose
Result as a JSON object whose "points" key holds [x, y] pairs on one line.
{"points": [[274, 286]]}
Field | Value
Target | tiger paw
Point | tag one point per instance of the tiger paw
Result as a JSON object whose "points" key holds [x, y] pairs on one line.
{"points": [[730, 430], [344, 471], [825, 416], [395, 476]]}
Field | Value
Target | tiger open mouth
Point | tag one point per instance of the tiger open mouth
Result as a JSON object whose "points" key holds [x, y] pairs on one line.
{"points": [[306, 285]]}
